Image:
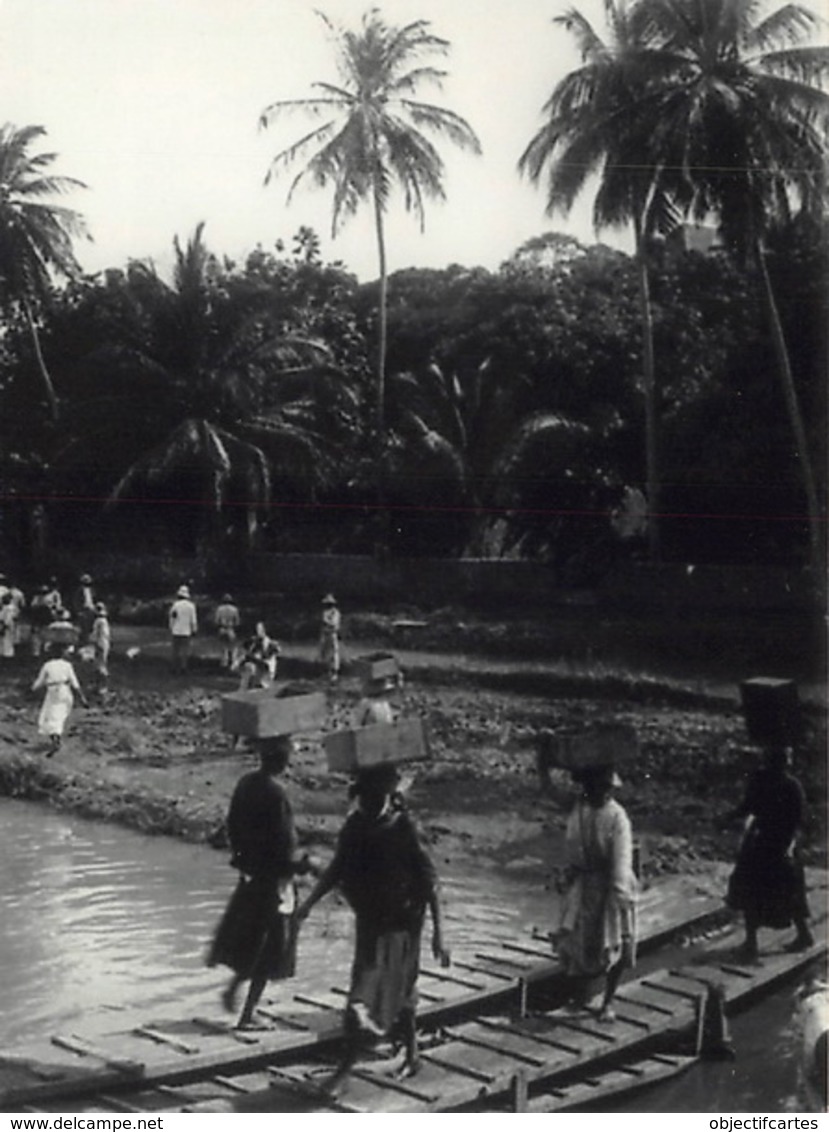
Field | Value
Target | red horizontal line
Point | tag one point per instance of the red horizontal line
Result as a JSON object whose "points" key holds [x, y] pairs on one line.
{"points": [[405, 507]]}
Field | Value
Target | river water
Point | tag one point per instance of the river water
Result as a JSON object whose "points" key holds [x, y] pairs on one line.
{"points": [[104, 928]]}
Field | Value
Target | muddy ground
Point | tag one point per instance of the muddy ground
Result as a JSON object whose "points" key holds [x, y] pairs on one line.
{"points": [[153, 756]]}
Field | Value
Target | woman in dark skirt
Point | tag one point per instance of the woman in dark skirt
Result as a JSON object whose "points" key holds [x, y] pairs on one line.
{"points": [[256, 936], [768, 884], [388, 880]]}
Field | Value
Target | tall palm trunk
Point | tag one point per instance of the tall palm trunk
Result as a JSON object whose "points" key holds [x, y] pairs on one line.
{"points": [[816, 547], [380, 407], [41, 362], [649, 385]]}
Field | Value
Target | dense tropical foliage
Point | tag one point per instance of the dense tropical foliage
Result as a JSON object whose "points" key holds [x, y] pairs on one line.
{"points": [[708, 109], [235, 405]]}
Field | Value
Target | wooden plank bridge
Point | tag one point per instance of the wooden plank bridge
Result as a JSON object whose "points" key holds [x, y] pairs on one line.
{"points": [[486, 1043]]}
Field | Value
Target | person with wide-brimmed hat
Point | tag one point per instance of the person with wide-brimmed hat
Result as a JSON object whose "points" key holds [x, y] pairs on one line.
{"points": [[183, 623], [597, 929], [329, 651]]}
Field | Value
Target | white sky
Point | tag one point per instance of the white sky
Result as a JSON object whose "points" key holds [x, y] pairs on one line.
{"points": [[154, 104]]}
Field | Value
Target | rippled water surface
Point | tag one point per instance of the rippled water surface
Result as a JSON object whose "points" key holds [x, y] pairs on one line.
{"points": [[97, 918]]}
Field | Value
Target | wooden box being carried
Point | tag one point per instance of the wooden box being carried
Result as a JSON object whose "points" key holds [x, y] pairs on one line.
{"points": [[771, 709], [261, 714], [405, 741], [602, 745], [376, 666], [63, 634]]}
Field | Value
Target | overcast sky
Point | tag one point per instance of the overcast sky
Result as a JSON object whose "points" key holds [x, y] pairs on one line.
{"points": [[154, 104]]}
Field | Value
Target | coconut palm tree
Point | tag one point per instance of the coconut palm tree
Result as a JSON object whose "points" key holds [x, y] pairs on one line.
{"points": [[742, 129], [597, 123], [220, 392], [35, 235], [374, 137]]}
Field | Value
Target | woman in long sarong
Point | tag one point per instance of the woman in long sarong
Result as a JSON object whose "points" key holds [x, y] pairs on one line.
{"points": [[597, 934], [58, 677], [768, 883], [388, 879], [256, 936]]}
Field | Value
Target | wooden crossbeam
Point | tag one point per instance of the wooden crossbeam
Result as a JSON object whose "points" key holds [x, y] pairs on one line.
{"points": [[482, 1043]]}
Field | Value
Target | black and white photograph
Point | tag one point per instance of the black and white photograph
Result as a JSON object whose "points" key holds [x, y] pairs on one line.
{"points": [[413, 500]]}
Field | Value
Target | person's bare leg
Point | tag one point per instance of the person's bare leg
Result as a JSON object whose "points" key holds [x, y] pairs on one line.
{"points": [[606, 1011], [230, 992], [257, 985], [408, 1029], [749, 949], [350, 1052], [804, 938]]}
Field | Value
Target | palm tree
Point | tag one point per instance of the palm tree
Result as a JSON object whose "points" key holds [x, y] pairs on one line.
{"points": [[473, 430], [35, 236], [742, 130], [373, 137], [218, 389], [598, 123]]}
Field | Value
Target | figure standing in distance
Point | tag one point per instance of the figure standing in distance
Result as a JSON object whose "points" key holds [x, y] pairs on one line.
{"points": [[83, 607], [19, 602], [597, 933], [40, 614], [256, 936], [100, 638], [58, 677], [330, 638], [183, 623], [768, 884], [8, 623], [226, 619], [375, 705], [388, 879]]}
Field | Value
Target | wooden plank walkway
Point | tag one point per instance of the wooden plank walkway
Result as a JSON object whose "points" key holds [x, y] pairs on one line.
{"points": [[172, 1049], [194, 1062]]}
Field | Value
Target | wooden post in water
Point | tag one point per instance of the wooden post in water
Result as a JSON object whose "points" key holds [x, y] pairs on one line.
{"points": [[519, 1091], [522, 998]]}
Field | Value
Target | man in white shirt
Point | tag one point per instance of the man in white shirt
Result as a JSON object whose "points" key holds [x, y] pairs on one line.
{"points": [[183, 627]]}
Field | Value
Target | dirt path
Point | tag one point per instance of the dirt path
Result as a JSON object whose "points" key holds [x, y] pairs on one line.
{"points": [[153, 757]]}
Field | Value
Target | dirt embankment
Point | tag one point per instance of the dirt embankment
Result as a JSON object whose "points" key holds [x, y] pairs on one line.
{"points": [[153, 756]]}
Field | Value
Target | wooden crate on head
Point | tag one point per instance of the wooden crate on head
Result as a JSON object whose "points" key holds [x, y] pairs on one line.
{"points": [[771, 710], [380, 744], [265, 713]]}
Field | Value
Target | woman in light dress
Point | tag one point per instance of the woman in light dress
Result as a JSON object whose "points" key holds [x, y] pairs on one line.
{"points": [[597, 935], [58, 677], [8, 621]]}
